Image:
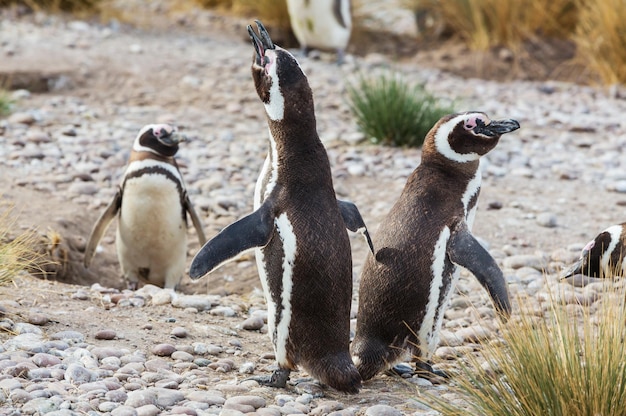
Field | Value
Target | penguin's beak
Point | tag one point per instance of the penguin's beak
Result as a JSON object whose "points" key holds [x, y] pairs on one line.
{"points": [[172, 139], [572, 270], [261, 42], [497, 127]]}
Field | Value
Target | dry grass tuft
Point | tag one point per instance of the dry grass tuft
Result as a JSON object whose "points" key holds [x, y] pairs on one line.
{"points": [[571, 361], [16, 253], [74, 6], [272, 12], [486, 23], [601, 39]]}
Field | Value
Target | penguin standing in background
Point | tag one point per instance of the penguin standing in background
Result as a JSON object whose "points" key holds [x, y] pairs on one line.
{"points": [[321, 24], [603, 256], [152, 204], [298, 230], [406, 286]]}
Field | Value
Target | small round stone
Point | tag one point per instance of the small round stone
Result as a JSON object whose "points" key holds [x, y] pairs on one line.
{"points": [[163, 350], [179, 332], [38, 319], [382, 410], [106, 334], [253, 323]]}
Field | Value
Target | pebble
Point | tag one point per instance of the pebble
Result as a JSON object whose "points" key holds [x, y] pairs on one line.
{"points": [[547, 219], [199, 302], [106, 334], [38, 319], [163, 350], [253, 323], [525, 260], [179, 332], [382, 410], [75, 373]]}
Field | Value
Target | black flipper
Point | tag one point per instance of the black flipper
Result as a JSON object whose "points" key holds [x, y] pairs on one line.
{"points": [[254, 230], [195, 219], [466, 251], [354, 221], [101, 226]]}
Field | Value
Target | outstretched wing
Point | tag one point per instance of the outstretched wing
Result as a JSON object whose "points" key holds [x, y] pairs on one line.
{"points": [[354, 222], [254, 230], [466, 251], [101, 226]]}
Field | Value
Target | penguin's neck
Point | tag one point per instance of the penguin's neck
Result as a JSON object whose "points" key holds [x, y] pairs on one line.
{"points": [[295, 136], [464, 172], [143, 155]]}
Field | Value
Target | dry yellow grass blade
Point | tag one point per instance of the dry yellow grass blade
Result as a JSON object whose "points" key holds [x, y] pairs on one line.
{"points": [[570, 360], [486, 23], [601, 39], [16, 253]]}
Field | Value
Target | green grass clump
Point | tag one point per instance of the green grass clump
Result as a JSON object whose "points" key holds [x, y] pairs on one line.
{"points": [[6, 103], [393, 112], [570, 362], [16, 253]]}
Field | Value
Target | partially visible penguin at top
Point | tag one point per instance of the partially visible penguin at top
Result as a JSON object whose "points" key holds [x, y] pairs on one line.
{"points": [[321, 24], [298, 231]]}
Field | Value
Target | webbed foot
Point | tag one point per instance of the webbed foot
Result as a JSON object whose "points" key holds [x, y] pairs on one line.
{"points": [[403, 370], [277, 379], [425, 370]]}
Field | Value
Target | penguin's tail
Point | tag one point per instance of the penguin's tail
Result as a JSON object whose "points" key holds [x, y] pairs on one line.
{"points": [[372, 356], [337, 371]]}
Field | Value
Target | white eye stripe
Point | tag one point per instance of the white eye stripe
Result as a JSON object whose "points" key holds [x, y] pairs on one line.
{"points": [[443, 145], [615, 232], [275, 107], [137, 147]]}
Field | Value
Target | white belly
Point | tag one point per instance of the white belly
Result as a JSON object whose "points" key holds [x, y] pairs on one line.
{"points": [[316, 26], [151, 233]]}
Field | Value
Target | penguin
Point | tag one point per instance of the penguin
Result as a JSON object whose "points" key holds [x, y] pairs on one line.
{"points": [[603, 256], [406, 286], [298, 232], [152, 204], [322, 24]]}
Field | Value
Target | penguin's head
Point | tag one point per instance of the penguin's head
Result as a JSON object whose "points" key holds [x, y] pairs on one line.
{"points": [[277, 76], [160, 139], [465, 137], [596, 259]]}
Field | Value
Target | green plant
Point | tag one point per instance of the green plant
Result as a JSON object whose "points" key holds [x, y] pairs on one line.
{"points": [[5, 103], [570, 362], [393, 112], [600, 39]]}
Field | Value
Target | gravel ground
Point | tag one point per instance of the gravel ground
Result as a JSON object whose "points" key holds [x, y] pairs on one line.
{"points": [[93, 349]]}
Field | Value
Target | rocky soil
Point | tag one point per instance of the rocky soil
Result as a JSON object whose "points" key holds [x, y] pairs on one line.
{"points": [[83, 345]]}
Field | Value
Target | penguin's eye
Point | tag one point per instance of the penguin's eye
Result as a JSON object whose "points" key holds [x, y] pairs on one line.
{"points": [[470, 124]]}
